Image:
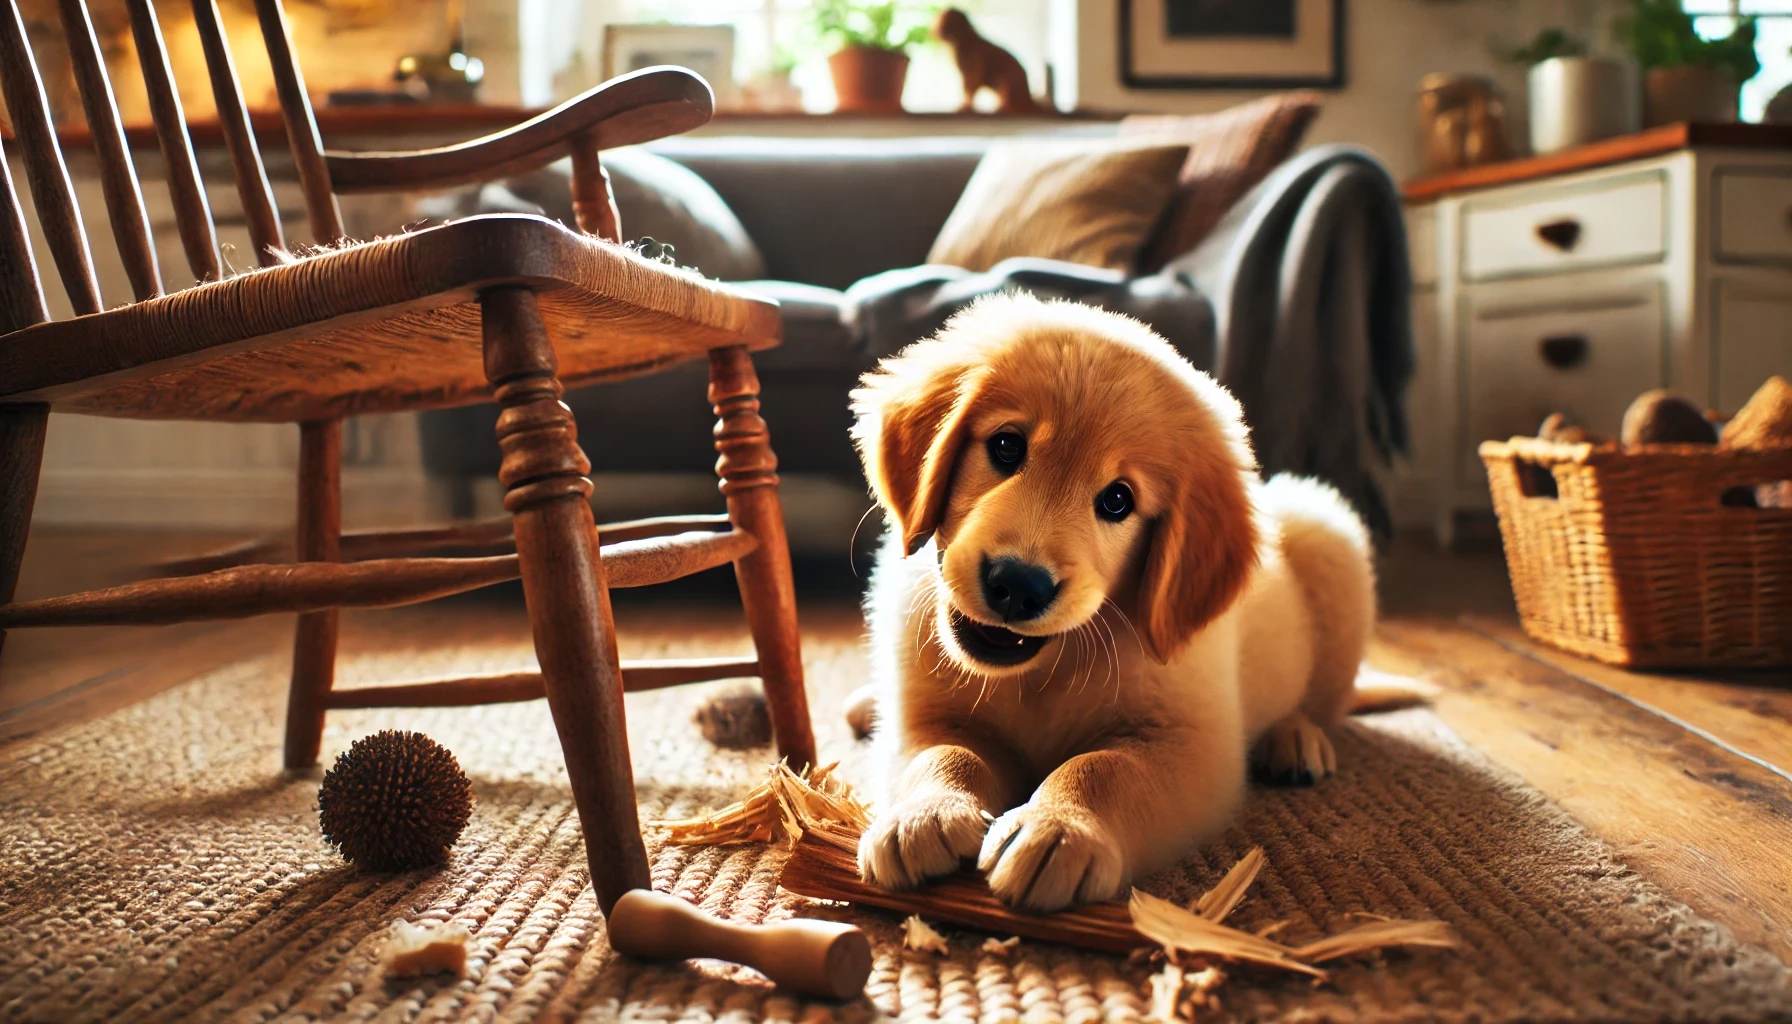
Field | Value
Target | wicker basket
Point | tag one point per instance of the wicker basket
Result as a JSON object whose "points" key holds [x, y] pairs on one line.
{"points": [[1632, 556]]}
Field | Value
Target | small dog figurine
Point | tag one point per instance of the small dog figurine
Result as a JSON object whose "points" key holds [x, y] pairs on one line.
{"points": [[984, 65], [1090, 614]]}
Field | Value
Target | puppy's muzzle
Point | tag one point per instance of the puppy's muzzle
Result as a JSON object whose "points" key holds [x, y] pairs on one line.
{"points": [[1015, 590]]}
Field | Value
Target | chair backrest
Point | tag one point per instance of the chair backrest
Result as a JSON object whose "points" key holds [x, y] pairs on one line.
{"points": [[21, 292]]}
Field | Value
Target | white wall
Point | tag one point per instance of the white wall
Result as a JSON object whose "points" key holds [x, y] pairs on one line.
{"points": [[1390, 45]]}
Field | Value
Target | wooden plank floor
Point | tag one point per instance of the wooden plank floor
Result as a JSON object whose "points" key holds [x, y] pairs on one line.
{"points": [[1689, 777]]}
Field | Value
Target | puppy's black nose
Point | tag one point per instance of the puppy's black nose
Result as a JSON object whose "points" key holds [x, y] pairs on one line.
{"points": [[1015, 590]]}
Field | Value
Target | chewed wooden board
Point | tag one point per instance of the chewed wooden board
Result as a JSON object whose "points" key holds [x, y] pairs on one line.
{"points": [[821, 870]]}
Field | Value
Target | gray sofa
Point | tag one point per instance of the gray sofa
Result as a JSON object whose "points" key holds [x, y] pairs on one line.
{"points": [[1297, 301]]}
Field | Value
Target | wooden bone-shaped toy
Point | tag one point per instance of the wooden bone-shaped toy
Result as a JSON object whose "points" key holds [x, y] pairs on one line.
{"points": [[817, 958]]}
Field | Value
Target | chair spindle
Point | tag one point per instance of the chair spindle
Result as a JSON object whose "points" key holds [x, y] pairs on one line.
{"points": [[51, 191], [118, 176], [192, 211], [239, 137], [301, 125], [592, 204], [21, 298]]}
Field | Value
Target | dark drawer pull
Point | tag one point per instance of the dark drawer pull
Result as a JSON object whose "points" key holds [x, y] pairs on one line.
{"points": [[1564, 351], [1563, 234]]}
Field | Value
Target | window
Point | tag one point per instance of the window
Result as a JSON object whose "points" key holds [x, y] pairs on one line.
{"points": [[1715, 19], [768, 32]]}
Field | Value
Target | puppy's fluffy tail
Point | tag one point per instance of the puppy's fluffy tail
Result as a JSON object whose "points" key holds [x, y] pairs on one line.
{"points": [[1383, 691], [1326, 548]]}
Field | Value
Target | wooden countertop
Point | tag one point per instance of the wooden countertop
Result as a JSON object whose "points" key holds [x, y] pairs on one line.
{"points": [[341, 124], [1624, 148]]}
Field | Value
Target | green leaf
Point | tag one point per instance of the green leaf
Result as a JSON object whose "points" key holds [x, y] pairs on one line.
{"points": [[1547, 44], [882, 24], [1660, 34]]}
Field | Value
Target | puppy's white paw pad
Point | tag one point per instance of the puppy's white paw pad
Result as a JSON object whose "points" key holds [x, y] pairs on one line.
{"points": [[920, 838], [1295, 752], [1045, 859]]}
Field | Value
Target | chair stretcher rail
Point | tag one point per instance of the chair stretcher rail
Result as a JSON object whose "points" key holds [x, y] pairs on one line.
{"points": [[485, 537], [521, 686], [381, 583]]}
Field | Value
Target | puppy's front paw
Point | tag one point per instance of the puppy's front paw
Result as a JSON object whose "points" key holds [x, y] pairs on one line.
{"points": [[1046, 858], [921, 837], [1294, 752]]}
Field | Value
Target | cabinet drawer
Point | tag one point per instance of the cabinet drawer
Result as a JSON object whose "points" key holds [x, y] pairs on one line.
{"points": [[1611, 222], [1753, 342], [1754, 215], [1523, 360]]}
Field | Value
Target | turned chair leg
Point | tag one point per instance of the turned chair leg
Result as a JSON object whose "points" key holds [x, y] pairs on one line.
{"points": [[319, 540], [547, 494], [748, 469], [21, 457]]}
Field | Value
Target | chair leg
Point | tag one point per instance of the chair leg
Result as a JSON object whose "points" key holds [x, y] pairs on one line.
{"points": [[21, 457], [319, 540], [563, 582], [748, 470]]}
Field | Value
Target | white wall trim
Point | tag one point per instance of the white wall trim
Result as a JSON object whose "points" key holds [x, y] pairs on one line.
{"points": [[224, 498]]}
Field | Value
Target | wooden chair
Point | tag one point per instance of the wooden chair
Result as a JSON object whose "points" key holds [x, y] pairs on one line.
{"points": [[509, 307]]}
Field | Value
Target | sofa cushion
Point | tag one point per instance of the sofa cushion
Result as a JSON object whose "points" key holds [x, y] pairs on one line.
{"points": [[1088, 202], [829, 211], [821, 329], [1229, 153], [656, 198], [897, 307]]}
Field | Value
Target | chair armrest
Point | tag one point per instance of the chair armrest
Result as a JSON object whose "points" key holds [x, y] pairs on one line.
{"points": [[648, 104]]}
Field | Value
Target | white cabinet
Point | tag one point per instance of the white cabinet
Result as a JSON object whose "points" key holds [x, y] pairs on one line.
{"points": [[1527, 359], [1575, 292], [1753, 323], [1754, 215], [1549, 231]]}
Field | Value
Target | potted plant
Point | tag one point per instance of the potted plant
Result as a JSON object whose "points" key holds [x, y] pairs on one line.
{"points": [[772, 91], [1687, 77], [1575, 97], [871, 64]]}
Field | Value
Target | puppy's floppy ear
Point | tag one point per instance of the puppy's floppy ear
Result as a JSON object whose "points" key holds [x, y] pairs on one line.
{"points": [[1203, 548], [911, 419]]}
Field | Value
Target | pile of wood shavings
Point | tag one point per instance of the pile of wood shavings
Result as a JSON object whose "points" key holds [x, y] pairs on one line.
{"points": [[1193, 938], [920, 936], [1194, 941], [780, 810]]}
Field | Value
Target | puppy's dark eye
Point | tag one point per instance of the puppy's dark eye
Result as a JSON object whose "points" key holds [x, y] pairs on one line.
{"points": [[1007, 450], [1114, 503]]}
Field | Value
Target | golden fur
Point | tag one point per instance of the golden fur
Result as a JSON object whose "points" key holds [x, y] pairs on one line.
{"points": [[1222, 614]]}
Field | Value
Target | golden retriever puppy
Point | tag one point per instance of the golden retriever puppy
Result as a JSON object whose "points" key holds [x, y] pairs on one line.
{"points": [[1089, 611]]}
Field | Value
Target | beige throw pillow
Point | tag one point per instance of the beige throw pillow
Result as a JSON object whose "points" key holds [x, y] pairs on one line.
{"points": [[1090, 202], [1229, 153]]}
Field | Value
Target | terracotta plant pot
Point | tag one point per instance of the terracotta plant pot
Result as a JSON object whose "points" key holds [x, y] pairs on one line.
{"points": [[1689, 92], [868, 80]]}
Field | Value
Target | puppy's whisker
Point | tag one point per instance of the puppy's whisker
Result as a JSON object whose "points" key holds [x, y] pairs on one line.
{"points": [[1099, 649], [1109, 650], [982, 686], [1054, 671], [1108, 602], [853, 545], [1084, 647]]}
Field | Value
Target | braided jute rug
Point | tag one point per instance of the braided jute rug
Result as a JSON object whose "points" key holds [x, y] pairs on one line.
{"points": [[155, 865]]}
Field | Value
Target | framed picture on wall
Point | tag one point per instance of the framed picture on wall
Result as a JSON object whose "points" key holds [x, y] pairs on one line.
{"points": [[706, 49], [1232, 44]]}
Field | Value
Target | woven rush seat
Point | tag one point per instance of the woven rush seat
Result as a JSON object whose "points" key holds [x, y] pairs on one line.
{"points": [[320, 336]]}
